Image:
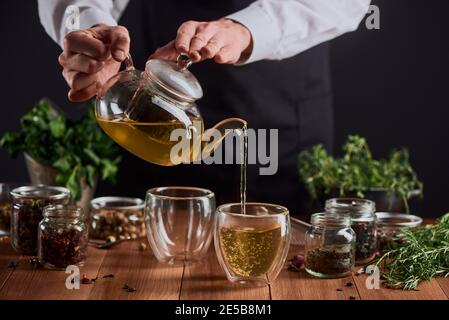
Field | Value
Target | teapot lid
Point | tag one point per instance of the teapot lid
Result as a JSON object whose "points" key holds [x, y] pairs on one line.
{"points": [[175, 78]]}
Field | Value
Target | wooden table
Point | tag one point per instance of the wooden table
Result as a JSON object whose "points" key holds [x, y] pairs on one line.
{"points": [[202, 281]]}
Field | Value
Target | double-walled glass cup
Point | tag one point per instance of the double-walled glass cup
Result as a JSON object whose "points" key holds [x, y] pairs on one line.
{"points": [[180, 222], [252, 247]]}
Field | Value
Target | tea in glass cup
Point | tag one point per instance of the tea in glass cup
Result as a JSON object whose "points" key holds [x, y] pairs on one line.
{"points": [[252, 247]]}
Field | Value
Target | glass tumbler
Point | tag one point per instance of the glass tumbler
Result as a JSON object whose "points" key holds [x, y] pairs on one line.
{"points": [[179, 222], [252, 247]]}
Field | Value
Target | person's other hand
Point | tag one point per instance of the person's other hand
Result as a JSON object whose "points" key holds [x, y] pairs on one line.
{"points": [[223, 40], [91, 57]]}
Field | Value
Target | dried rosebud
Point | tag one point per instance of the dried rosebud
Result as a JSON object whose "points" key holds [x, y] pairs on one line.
{"points": [[108, 276], [298, 261], [86, 280]]}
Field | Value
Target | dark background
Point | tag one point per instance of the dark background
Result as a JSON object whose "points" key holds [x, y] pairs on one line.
{"points": [[390, 86]]}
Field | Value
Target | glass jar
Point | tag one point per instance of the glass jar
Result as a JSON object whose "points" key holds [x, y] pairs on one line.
{"points": [[28, 205], [363, 217], [63, 237], [5, 209], [118, 217], [330, 246], [390, 225]]}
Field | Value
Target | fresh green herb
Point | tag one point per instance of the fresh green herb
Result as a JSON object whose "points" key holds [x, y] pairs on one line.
{"points": [[422, 254], [357, 171], [79, 150]]}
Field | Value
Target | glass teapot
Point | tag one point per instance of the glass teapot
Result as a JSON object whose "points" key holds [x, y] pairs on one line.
{"points": [[153, 114]]}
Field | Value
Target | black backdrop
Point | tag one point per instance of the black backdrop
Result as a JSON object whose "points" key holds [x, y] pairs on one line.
{"points": [[390, 85]]}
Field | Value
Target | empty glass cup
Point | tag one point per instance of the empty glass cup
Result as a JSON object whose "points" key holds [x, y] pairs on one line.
{"points": [[252, 247], [179, 222]]}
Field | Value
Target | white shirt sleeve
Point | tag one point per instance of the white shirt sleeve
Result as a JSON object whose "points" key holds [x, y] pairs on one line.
{"points": [[53, 16], [284, 28]]}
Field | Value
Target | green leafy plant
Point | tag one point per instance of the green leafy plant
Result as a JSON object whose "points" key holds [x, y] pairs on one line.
{"points": [[79, 150], [422, 254], [357, 171]]}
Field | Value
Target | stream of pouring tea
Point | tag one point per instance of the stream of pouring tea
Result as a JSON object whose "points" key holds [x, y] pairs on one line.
{"points": [[243, 163]]}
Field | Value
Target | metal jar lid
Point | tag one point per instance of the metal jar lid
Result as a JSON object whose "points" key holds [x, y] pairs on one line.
{"points": [[174, 78]]}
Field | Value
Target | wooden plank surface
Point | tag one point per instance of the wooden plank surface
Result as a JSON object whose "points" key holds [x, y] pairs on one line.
{"points": [[139, 270], [205, 280]]}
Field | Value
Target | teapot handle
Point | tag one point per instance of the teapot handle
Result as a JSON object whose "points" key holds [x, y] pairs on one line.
{"points": [[129, 64]]}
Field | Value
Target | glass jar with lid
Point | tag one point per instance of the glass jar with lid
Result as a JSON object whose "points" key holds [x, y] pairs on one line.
{"points": [[389, 228], [363, 217], [329, 246], [28, 206], [63, 237], [118, 217]]}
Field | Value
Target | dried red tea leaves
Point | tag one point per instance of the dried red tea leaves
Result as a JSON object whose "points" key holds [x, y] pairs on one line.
{"points": [[351, 298], [108, 276], [296, 263], [63, 247], [348, 284], [25, 225], [339, 289], [128, 288], [86, 280]]}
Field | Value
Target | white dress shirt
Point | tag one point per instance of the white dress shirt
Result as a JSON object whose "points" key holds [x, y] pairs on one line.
{"points": [[279, 28]]}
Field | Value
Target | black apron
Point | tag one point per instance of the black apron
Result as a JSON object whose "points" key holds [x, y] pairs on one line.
{"points": [[292, 95]]}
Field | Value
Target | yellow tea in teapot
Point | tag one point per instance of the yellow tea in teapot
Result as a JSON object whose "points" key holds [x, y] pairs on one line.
{"points": [[147, 140]]}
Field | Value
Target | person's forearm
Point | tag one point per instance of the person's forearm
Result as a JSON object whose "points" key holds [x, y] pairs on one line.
{"points": [[52, 14], [284, 28]]}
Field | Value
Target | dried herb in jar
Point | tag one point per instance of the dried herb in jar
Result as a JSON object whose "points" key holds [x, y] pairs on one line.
{"points": [[123, 224], [328, 261], [63, 247], [5, 215], [25, 224], [365, 241]]}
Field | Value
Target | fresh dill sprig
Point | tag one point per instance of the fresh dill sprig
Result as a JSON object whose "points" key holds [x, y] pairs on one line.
{"points": [[422, 254]]}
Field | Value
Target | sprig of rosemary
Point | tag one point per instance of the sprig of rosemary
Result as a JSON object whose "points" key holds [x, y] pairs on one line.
{"points": [[422, 254]]}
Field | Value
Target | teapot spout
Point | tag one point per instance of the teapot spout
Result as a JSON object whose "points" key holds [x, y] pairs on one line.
{"points": [[213, 137]]}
